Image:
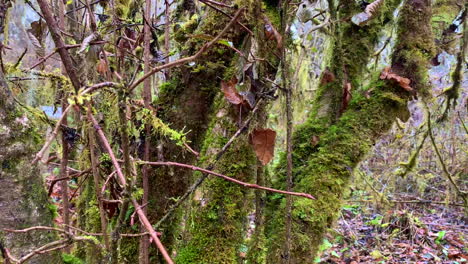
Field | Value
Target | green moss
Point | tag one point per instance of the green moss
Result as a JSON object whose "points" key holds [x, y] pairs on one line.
{"points": [[71, 259], [217, 221], [89, 220]]}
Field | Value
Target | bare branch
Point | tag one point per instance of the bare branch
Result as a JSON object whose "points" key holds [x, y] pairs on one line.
{"points": [[123, 181], [52, 136], [245, 184]]}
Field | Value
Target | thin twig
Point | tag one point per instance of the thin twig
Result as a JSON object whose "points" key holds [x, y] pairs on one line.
{"points": [[209, 3], [52, 136], [200, 180], [54, 181], [67, 47], [462, 194], [245, 184]]}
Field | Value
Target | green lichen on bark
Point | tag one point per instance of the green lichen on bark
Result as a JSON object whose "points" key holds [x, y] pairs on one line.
{"points": [[89, 220], [325, 169]]}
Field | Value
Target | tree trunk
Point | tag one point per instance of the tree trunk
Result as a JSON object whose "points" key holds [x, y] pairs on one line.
{"points": [[23, 200], [329, 165]]}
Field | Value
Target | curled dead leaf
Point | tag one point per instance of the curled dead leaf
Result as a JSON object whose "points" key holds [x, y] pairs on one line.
{"points": [[230, 91], [346, 97], [327, 77], [263, 143], [101, 67], [271, 32], [315, 140], [403, 82]]}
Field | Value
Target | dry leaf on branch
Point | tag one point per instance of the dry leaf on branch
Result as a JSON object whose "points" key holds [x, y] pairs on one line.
{"points": [[230, 91], [346, 97], [36, 35], [270, 32], [369, 13], [403, 82], [101, 67], [86, 42], [327, 77], [263, 142]]}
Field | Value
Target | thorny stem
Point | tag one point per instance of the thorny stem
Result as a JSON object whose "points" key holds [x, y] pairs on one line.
{"points": [[123, 182]]}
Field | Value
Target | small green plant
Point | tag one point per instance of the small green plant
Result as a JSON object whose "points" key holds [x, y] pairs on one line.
{"points": [[440, 236], [377, 221]]}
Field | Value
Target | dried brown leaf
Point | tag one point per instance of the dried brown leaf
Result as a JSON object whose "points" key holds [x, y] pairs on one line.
{"points": [[403, 82], [270, 32], [263, 142], [315, 140], [346, 97], [101, 67], [230, 91]]}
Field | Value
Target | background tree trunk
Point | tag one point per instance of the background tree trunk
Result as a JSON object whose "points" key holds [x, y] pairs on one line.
{"points": [[23, 200]]}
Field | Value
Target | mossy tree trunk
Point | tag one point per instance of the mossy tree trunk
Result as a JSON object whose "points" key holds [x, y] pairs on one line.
{"points": [[217, 222], [324, 169], [23, 200], [217, 219], [185, 102]]}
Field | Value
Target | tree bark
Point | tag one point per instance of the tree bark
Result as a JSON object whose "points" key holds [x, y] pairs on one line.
{"points": [[23, 199]]}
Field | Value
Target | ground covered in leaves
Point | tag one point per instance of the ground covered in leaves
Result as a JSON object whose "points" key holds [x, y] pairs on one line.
{"points": [[408, 233]]}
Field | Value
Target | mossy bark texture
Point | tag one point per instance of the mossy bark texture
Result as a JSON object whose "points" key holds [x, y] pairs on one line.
{"points": [[23, 201], [217, 221], [324, 169]]}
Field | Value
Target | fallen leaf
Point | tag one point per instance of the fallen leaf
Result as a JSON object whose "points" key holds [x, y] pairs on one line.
{"points": [[230, 91], [263, 142], [403, 82]]}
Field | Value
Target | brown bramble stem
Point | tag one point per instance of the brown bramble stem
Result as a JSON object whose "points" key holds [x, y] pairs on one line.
{"points": [[245, 184]]}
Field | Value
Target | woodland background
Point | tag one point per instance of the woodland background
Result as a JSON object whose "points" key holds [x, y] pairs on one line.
{"points": [[295, 96]]}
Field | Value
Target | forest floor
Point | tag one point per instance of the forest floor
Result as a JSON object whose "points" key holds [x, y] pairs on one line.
{"points": [[407, 233]]}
